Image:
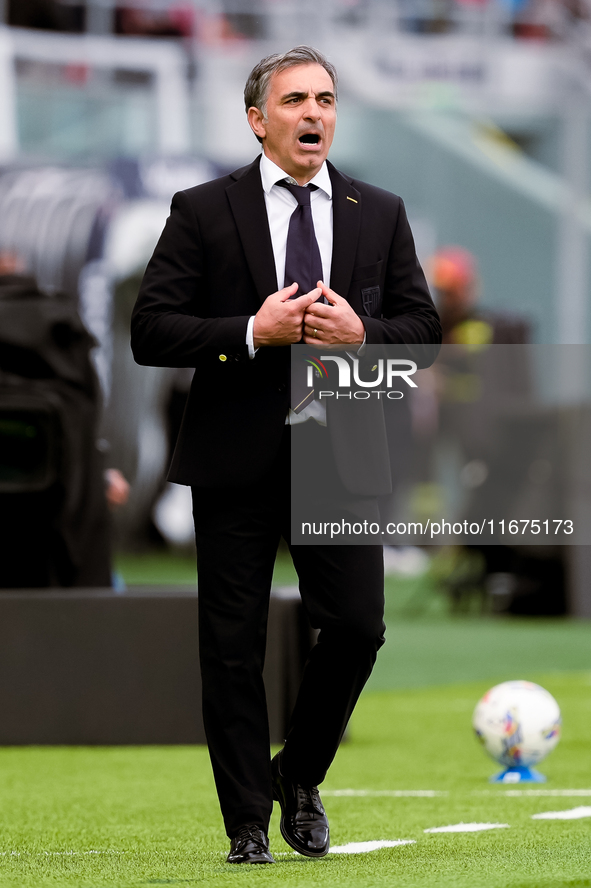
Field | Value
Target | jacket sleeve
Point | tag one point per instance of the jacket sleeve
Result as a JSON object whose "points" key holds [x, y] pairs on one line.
{"points": [[170, 326], [408, 314]]}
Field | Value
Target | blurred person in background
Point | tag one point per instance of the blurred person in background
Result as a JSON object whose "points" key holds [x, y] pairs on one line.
{"points": [[10, 264], [48, 15], [54, 493], [471, 390], [453, 272], [205, 303], [166, 20], [174, 20], [116, 488], [548, 19]]}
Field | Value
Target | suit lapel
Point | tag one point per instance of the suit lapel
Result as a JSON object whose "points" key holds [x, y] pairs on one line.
{"points": [[247, 202], [346, 216]]}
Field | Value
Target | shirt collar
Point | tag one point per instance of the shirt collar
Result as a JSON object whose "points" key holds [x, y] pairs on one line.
{"points": [[271, 173]]}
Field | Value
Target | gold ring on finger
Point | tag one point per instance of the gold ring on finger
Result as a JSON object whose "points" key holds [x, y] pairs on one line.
{"points": [[315, 332]]}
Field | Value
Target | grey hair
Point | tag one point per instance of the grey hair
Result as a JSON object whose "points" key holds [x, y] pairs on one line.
{"points": [[256, 91]]}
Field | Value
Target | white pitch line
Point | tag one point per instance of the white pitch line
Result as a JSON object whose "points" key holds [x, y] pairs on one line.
{"points": [[70, 853], [564, 793], [365, 847], [466, 827], [393, 793], [56, 853], [571, 814]]}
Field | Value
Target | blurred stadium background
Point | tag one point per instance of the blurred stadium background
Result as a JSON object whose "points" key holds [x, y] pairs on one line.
{"points": [[478, 112]]}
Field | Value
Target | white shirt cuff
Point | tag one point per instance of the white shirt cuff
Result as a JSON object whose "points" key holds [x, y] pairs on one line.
{"points": [[250, 338]]}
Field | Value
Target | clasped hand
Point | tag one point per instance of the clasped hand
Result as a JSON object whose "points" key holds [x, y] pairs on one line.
{"points": [[282, 320]]}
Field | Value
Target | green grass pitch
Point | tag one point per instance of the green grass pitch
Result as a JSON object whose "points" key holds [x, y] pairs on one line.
{"points": [[126, 817], [148, 816]]}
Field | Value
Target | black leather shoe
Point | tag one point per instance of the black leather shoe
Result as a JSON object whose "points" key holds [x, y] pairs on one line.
{"points": [[250, 845], [304, 824]]}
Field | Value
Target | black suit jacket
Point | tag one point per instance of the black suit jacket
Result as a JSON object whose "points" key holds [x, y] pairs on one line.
{"points": [[211, 270]]}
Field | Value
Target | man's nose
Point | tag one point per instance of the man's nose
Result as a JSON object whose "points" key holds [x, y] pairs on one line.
{"points": [[310, 109]]}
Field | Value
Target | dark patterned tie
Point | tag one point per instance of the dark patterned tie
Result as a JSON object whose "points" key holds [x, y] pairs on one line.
{"points": [[302, 264], [302, 256]]}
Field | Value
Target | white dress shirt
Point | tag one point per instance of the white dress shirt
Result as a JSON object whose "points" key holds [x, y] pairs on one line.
{"points": [[280, 204]]}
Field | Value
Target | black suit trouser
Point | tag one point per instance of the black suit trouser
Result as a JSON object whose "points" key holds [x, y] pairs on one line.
{"points": [[342, 588]]}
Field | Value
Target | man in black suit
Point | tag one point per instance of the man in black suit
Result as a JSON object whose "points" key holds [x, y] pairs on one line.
{"points": [[215, 298]]}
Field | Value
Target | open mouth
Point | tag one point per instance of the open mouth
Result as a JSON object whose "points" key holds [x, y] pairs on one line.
{"points": [[309, 139]]}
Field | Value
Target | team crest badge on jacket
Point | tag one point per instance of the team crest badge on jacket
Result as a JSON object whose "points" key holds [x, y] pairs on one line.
{"points": [[370, 297]]}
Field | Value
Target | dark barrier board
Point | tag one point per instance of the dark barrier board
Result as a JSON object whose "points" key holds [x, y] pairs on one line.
{"points": [[98, 667]]}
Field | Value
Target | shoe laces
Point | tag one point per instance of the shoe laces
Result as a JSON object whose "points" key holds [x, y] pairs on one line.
{"points": [[250, 831], [309, 799]]}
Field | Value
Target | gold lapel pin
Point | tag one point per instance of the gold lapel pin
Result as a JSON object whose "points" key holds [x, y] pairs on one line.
{"points": [[352, 199]]}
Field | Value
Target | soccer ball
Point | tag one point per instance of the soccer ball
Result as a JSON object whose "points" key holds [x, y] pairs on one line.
{"points": [[518, 723]]}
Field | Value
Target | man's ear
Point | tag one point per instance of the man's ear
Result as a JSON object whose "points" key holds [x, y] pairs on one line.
{"points": [[256, 121]]}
